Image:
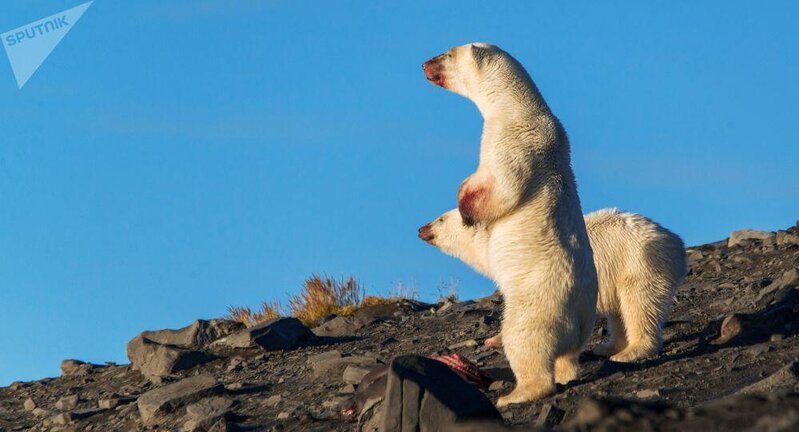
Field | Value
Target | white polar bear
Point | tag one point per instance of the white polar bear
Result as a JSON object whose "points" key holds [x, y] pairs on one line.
{"points": [[524, 191], [639, 264]]}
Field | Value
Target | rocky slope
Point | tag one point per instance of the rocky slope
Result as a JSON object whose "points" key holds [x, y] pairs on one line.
{"points": [[729, 362]]}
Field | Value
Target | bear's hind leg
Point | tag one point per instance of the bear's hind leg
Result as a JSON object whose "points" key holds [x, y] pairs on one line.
{"points": [[642, 321], [617, 337]]}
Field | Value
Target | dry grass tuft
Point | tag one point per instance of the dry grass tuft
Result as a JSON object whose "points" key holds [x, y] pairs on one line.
{"points": [[250, 318], [449, 290], [323, 295], [402, 291], [397, 293], [377, 300]]}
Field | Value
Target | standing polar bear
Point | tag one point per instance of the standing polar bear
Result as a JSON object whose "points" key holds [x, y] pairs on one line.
{"points": [[639, 264], [524, 193]]}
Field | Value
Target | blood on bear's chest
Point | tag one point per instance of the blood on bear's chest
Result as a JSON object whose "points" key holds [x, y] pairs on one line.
{"points": [[470, 199]]}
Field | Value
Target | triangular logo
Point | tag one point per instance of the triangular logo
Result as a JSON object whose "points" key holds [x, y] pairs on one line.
{"points": [[28, 46]]}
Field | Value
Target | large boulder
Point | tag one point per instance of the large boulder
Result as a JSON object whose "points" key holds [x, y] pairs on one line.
{"points": [[157, 403], [787, 238], [75, 367], [196, 335], [425, 395], [272, 335], [164, 352], [738, 237], [778, 289], [155, 360]]}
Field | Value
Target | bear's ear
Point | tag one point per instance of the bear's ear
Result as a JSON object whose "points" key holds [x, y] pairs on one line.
{"points": [[478, 53]]}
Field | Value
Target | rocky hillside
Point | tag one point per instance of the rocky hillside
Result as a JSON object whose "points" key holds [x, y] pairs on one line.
{"points": [[729, 362]]}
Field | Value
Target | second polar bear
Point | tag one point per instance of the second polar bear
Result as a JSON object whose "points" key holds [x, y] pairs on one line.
{"points": [[525, 193], [639, 264]]}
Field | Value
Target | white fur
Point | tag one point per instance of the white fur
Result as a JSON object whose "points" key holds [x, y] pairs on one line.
{"points": [[639, 264], [524, 192]]}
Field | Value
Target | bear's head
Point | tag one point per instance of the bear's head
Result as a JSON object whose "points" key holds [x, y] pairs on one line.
{"points": [[448, 232], [469, 69], [451, 236]]}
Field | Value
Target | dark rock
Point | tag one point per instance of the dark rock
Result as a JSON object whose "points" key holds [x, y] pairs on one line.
{"points": [[424, 394], [615, 414], [379, 312], [777, 290], [164, 352], [85, 413], [276, 334], [550, 416], [324, 356], [72, 416], [338, 326], [347, 326], [389, 340], [335, 366], [196, 335], [169, 398], [372, 386], [482, 426], [208, 414], [156, 360], [786, 378]]}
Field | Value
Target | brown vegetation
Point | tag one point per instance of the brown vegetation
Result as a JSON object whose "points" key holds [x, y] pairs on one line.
{"points": [[321, 296], [249, 317]]}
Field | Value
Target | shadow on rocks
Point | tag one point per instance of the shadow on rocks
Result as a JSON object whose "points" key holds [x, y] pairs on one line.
{"points": [[735, 330]]}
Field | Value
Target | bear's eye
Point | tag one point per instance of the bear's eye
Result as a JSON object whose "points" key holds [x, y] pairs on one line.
{"points": [[441, 219]]}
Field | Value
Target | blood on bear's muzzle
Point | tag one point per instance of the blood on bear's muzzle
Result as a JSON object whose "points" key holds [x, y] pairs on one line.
{"points": [[426, 233], [434, 71]]}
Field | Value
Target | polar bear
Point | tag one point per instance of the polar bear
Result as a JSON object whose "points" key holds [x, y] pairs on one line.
{"points": [[639, 264], [524, 193]]}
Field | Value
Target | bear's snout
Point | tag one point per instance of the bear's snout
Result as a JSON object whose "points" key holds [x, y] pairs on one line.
{"points": [[434, 71], [426, 233]]}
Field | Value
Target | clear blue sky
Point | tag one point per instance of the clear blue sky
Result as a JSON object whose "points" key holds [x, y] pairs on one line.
{"points": [[172, 158]]}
